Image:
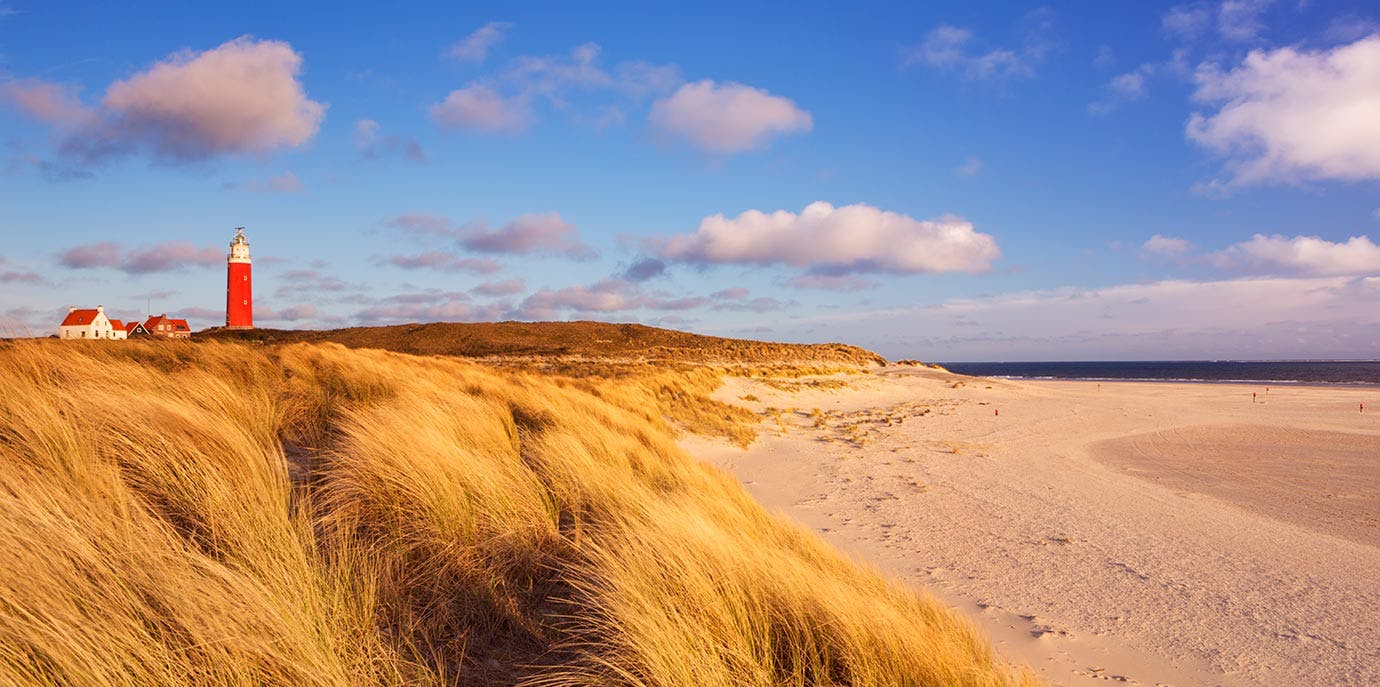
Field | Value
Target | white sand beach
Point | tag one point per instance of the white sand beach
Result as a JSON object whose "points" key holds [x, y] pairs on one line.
{"points": [[1155, 534]]}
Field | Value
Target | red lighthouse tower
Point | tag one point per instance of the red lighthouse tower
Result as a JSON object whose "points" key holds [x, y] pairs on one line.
{"points": [[239, 289]]}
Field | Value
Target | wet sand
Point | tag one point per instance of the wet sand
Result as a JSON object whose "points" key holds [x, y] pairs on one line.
{"points": [[1138, 533], [1323, 480]]}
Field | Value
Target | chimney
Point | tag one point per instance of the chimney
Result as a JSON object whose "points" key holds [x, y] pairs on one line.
{"points": [[71, 308], [100, 308]]}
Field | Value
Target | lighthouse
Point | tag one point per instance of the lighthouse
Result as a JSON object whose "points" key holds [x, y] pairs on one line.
{"points": [[239, 288]]}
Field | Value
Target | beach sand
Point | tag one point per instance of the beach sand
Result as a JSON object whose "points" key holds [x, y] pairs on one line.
{"points": [[1144, 533]]}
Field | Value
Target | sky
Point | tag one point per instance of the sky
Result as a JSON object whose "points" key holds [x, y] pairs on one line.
{"points": [[1016, 181]]}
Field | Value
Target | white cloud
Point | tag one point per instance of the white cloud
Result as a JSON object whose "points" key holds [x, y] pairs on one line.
{"points": [[475, 47], [728, 118], [970, 167], [1294, 115], [844, 240], [480, 108], [243, 96], [1167, 246], [1302, 254]]}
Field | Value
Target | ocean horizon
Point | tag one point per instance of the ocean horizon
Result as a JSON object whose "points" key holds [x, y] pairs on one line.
{"points": [[1281, 372]]}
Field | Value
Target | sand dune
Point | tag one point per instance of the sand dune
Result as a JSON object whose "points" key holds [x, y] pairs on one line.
{"points": [[1140, 533]]}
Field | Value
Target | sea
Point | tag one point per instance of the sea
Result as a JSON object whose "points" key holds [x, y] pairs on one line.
{"points": [[1302, 372]]}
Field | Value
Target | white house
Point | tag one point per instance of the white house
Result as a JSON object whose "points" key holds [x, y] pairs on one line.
{"points": [[82, 323]]}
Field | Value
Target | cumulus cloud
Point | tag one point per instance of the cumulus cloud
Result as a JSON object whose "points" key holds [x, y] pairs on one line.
{"points": [[1302, 255], [242, 97], [480, 108], [833, 241], [1166, 246], [443, 262], [476, 46], [1294, 115], [162, 257], [287, 182], [372, 145], [727, 118]]}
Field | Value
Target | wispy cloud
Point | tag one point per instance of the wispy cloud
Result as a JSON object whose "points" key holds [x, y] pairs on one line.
{"points": [[1124, 88], [531, 234], [958, 50], [162, 257], [506, 100], [443, 262], [372, 145], [1170, 319], [287, 182], [1166, 247], [476, 46]]}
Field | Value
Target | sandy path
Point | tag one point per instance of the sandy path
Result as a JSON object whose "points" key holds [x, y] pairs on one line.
{"points": [[1075, 530]]}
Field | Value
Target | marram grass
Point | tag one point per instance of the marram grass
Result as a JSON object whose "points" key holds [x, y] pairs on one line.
{"points": [[223, 514]]}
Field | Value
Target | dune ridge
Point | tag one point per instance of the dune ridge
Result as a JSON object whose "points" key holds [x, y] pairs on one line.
{"points": [[308, 514]]}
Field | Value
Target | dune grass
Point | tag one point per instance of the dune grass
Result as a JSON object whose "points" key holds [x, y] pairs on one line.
{"points": [[306, 514]]}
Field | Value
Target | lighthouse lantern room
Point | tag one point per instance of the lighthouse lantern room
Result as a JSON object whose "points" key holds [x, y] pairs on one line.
{"points": [[239, 290]]}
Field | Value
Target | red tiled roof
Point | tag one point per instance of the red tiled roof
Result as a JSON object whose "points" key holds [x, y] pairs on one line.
{"points": [[180, 325], [153, 321], [117, 324], [78, 318], [131, 326]]}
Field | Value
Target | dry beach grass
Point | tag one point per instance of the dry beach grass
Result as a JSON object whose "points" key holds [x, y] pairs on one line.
{"points": [[308, 514]]}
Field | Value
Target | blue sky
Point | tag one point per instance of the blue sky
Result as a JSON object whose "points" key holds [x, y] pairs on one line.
{"points": [[1017, 182]]}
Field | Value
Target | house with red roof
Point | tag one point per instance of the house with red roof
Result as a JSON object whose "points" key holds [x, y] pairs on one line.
{"points": [[86, 323], [162, 326], [134, 329]]}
